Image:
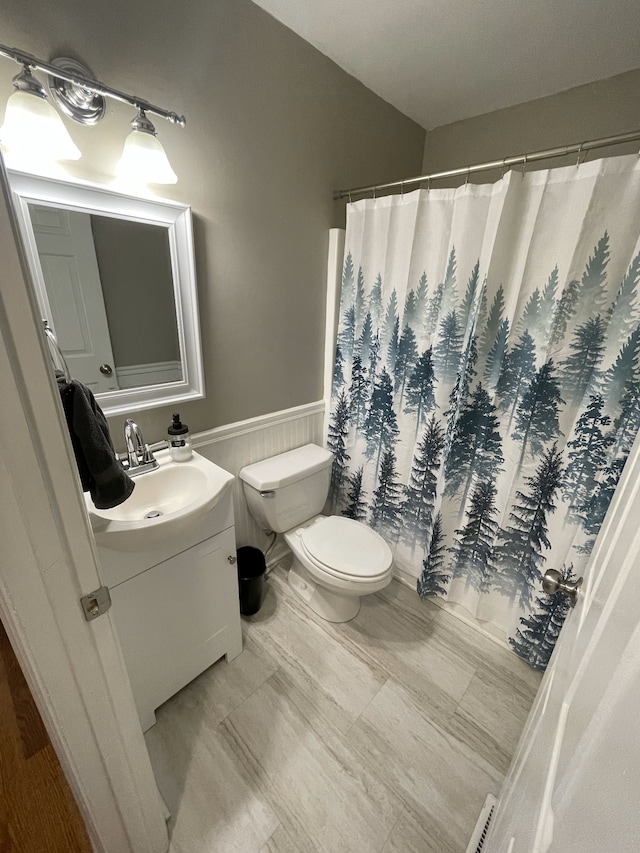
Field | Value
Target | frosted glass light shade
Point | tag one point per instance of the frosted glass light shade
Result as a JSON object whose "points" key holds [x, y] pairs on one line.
{"points": [[34, 130], [144, 160]]}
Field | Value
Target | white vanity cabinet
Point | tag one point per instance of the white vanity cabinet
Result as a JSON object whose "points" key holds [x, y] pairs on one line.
{"points": [[179, 615]]}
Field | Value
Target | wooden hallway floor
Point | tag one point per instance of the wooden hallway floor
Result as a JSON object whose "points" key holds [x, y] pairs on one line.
{"points": [[37, 810], [385, 733]]}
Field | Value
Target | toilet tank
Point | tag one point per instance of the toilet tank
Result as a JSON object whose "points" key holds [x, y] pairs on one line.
{"points": [[286, 490]]}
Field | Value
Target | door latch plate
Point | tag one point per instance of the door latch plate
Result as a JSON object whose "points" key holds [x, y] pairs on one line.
{"points": [[96, 603]]}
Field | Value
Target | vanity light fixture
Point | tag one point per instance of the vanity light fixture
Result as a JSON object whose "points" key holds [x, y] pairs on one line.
{"points": [[82, 98], [143, 158], [32, 128]]}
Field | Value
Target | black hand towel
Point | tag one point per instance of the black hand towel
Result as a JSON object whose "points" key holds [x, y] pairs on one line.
{"points": [[101, 474]]}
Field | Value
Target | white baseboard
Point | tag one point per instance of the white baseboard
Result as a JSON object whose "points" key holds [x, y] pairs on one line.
{"points": [[454, 610]]}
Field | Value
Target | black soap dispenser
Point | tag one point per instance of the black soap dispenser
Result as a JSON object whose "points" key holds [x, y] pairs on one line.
{"points": [[179, 440]]}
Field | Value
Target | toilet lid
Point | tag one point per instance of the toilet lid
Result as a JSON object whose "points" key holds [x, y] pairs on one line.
{"points": [[347, 547]]}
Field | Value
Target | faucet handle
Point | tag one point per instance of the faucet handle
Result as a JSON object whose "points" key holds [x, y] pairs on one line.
{"points": [[147, 455], [131, 433], [158, 445]]}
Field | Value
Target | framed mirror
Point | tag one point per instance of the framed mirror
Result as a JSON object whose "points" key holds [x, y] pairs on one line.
{"points": [[115, 278]]}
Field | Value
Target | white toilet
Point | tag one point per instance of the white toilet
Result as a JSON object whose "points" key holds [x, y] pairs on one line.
{"points": [[335, 559]]}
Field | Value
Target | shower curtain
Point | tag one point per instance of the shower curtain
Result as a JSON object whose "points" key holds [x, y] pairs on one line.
{"points": [[486, 388]]}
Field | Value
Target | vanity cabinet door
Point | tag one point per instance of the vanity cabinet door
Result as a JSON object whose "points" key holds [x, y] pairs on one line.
{"points": [[176, 619]]}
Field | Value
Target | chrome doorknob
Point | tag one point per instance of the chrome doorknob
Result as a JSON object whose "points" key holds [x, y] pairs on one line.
{"points": [[553, 584], [106, 369]]}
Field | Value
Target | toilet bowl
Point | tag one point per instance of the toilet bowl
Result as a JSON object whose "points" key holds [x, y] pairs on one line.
{"points": [[336, 560]]}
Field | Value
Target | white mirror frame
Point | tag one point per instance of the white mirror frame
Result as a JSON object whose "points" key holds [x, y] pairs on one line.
{"points": [[89, 198]]}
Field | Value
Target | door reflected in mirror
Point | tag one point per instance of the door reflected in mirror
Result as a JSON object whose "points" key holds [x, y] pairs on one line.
{"points": [[109, 289], [115, 277]]}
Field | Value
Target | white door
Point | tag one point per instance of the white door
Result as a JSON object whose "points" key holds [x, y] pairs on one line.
{"points": [[574, 784], [72, 294], [48, 561]]}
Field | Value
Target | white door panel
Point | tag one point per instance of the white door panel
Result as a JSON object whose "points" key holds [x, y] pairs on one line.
{"points": [[74, 667], [575, 779], [74, 293]]}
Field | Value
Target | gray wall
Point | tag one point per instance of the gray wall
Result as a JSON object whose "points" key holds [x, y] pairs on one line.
{"points": [[273, 127], [586, 112], [135, 270]]}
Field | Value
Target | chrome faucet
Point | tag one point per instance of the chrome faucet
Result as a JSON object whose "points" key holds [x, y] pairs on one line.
{"points": [[139, 457]]}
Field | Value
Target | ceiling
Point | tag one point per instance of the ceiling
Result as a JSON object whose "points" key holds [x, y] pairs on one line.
{"points": [[440, 61]]}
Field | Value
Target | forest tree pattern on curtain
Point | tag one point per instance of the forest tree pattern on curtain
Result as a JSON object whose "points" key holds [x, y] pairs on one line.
{"points": [[486, 388]]}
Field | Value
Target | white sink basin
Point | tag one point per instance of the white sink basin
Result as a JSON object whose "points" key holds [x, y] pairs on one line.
{"points": [[165, 503]]}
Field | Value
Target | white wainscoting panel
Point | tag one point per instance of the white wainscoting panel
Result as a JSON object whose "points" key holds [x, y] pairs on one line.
{"points": [[236, 445], [155, 373]]}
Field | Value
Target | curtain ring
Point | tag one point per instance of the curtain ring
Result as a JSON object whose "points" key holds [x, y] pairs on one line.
{"points": [[466, 180], [429, 183], [349, 196], [579, 160], [373, 194], [401, 188], [524, 164], [504, 167]]}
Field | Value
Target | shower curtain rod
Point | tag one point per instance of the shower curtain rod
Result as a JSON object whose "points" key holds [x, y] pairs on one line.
{"points": [[504, 164]]}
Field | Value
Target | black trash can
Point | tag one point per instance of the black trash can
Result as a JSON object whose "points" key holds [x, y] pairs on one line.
{"points": [[251, 569]]}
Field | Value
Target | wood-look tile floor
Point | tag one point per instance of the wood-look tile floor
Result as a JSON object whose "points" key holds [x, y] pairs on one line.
{"points": [[385, 733]]}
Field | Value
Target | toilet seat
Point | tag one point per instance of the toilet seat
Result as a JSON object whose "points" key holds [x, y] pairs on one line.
{"points": [[346, 549]]}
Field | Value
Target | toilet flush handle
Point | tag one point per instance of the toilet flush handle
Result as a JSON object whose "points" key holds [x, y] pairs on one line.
{"points": [[268, 494]]}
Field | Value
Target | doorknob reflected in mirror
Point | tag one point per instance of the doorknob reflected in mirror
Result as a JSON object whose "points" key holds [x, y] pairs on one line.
{"points": [[552, 584], [106, 369]]}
